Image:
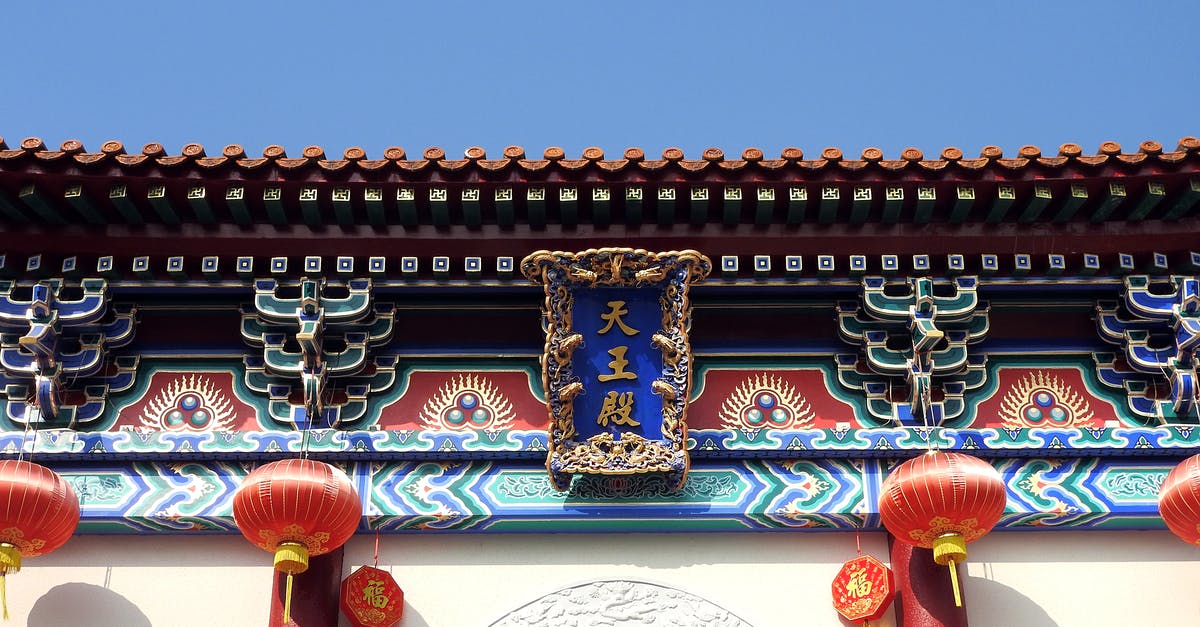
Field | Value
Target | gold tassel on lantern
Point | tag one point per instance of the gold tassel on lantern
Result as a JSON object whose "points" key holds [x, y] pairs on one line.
{"points": [[290, 558], [10, 562], [949, 550]]}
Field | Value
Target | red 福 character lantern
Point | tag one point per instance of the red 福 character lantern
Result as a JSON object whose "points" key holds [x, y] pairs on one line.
{"points": [[1179, 500], [942, 501], [38, 513], [371, 598], [296, 508], [863, 590]]}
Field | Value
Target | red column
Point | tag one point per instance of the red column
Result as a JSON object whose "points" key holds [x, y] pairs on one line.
{"points": [[314, 593], [924, 595]]}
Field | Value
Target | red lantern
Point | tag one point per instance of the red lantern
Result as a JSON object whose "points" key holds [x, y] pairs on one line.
{"points": [[1179, 500], [942, 501], [371, 598], [296, 508], [863, 589], [38, 513]]}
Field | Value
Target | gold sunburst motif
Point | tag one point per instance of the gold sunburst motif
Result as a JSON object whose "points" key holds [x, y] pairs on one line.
{"points": [[766, 401], [1040, 399], [468, 402], [189, 403]]}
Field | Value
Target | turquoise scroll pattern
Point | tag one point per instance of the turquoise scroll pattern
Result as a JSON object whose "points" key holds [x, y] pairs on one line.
{"points": [[733, 495]]}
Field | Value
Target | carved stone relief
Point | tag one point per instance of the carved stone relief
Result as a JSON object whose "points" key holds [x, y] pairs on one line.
{"points": [[616, 603]]}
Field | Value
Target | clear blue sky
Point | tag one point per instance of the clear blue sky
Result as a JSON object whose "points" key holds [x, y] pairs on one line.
{"points": [[612, 74]]}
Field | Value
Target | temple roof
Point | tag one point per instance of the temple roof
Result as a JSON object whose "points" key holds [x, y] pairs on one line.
{"points": [[70, 201], [830, 162]]}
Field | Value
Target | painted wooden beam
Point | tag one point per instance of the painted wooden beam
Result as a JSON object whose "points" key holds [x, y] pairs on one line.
{"points": [[157, 196], [119, 196], [39, 204]]}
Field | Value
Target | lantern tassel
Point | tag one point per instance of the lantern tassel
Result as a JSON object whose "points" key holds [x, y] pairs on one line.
{"points": [[949, 550], [4, 594], [10, 562], [954, 584], [291, 558], [287, 601]]}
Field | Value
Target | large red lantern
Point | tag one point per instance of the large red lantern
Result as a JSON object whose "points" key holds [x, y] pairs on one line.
{"points": [[1179, 500], [942, 501], [296, 508], [38, 513]]}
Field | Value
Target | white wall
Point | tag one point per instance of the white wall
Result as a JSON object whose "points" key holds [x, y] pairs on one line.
{"points": [[767, 579], [138, 581], [1102, 579], [1044, 579]]}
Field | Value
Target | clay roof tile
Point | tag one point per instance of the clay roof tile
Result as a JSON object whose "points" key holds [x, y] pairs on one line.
{"points": [[553, 153], [1070, 150], [672, 154], [573, 164], [234, 151], [714, 154], [653, 165], [831, 154], [872, 155], [753, 155], [354, 153], [373, 164], [1029, 152], [1187, 144], [475, 153], [212, 162], [251, 163], [991, 153], [1151, 147], [593, 153], [50, 155], [612, 165], [533, 165], [132, 160], [394, 153], [72, 146], [893, 165], [693, 165], [193, 151], [792, 154], [634, 154], [333, 165], [154, 150], [33, 144], [433, 153], [733, 164], [933, 165], [453, 165], [314, 152], [415, 165], [86, 158], [274, 151], [1110, 149], [912, 154], [952, 154], [514, 152]]}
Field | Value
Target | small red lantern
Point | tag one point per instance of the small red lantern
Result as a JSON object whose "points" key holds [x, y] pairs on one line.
{"points": [[371, 598], [863, 590], [942, 501], [296, 508], [1179, 500], [38, 513]]}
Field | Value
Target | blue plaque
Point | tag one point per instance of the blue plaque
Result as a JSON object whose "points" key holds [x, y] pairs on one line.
{"points": [[617, 364]]}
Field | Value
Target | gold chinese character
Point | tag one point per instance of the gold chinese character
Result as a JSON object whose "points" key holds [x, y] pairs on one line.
{"points": [[858, 586], [617, 407], [615, 315], [373, 593], [618, 366]]}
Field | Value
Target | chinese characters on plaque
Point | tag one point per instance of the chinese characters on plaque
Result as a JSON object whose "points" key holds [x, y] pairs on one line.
{"points": [[617, 364]]}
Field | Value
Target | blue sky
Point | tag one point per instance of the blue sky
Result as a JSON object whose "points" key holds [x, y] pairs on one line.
{"points": [[610, 74]]}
